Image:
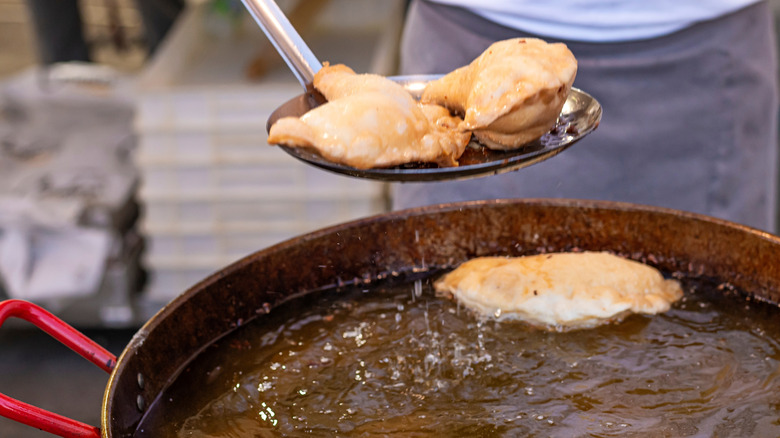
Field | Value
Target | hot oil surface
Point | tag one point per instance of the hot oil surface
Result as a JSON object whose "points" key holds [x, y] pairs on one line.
{"points": [[398, 360]]}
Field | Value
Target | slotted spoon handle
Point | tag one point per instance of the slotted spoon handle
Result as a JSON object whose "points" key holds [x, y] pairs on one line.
{"points": [[298, 56]]}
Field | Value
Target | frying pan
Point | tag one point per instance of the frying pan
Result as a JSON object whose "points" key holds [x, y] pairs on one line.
{"points": [[409, 243], [581, 115]]}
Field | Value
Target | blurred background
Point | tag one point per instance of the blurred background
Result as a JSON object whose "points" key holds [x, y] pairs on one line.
{"points": [[154, 166], [127, 179]]}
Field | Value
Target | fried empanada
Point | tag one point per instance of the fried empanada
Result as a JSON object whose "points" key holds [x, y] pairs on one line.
{"points": [[370, 121], [560, 291], [337, 81], [511, 94]]}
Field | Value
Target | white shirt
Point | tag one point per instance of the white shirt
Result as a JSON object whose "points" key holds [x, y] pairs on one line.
{"points": [[599, 20]]}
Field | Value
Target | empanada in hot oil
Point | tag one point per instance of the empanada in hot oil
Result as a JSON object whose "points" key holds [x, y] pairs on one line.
{"points": [[511, 94], [560, 291]]}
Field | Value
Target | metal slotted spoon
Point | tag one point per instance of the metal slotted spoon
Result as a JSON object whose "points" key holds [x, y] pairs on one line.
{"points": [[580, 115]]}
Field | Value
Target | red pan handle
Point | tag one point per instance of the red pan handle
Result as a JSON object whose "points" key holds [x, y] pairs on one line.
{"points": [[37, 417]]}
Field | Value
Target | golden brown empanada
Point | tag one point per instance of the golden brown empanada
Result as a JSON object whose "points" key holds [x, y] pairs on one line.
{"points": [[511, 94], [370, 121], [560, 291]]}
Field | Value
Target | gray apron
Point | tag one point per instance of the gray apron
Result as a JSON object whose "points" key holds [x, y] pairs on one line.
{"points": [[689, 119]]}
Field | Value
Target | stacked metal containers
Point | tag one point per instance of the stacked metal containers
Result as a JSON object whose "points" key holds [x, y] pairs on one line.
{"points": [[68, 207]]}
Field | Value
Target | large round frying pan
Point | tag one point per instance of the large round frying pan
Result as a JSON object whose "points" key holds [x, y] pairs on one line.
{"points": [[400, 243]]}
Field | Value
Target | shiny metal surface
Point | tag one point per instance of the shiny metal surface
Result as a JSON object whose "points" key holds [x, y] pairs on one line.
{"points": [[581, 114], [298, 56]]}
